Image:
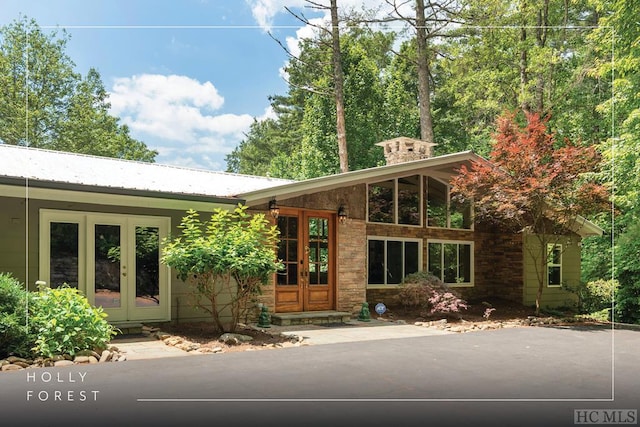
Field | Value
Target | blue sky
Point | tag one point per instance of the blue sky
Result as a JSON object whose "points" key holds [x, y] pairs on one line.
{"points": [[187, 76]]}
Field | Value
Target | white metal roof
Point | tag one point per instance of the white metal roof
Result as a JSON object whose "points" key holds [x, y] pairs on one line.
{"points": [[69, 168]]}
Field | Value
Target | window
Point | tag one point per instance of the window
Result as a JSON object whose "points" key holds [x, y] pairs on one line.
{"points": [[554, 265], [409, 200], [64, 240], [451, 261], [390, 260], [401, 194], [442, 211]]}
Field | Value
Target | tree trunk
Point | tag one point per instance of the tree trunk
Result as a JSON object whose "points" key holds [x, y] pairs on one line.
{"points": [[542, 270], [524, 78], [541, 41], [338, 79], [424, 90]]}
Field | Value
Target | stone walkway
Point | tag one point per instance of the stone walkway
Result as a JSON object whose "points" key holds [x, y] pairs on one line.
{"points": [[139, 348]]}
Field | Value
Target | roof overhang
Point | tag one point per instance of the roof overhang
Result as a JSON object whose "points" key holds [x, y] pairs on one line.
{"points": [[585, 228], [442, 165]]}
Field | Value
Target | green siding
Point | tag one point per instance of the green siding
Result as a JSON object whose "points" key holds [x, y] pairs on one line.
{"points": [[13, 238], [552, 296]]}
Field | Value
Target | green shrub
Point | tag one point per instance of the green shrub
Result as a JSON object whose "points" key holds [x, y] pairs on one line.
{"points": [[65, 323], [233, 254], [596, 295], [14, 335], [627, 309], [428, 293]]}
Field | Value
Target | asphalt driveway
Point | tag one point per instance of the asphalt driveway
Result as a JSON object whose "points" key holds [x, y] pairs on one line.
{"points": [[519, 376]]}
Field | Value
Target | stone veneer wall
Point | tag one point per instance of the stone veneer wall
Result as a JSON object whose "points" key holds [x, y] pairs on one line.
{"points": [[351, 286]]}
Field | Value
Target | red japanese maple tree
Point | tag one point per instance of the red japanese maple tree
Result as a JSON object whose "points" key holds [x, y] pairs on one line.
{"points": [[532, 184]]}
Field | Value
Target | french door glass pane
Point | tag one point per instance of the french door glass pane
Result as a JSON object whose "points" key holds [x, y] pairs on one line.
{"points": [[63, 267], [107, 264], [288, 250], [147, 266], [318, 251]]}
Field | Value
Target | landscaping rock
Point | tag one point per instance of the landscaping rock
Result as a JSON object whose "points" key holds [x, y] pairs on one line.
{"points": [[63, 362], [174, 341], [234, 339], [12, 367], [188, 346], [162, 335], [105, 356], [14, 359], [88, 353], [81, 359], [22, 364]]}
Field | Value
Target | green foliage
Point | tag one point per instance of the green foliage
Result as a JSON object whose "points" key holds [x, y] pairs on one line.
{"points": [[596, 295], [627, 308], [230, 255], [65, 323], [428, 293], [65, 111], [14, 335]]}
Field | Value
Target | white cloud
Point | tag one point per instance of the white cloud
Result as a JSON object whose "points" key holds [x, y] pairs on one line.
{"points": [[264, 11], [178, 114]]}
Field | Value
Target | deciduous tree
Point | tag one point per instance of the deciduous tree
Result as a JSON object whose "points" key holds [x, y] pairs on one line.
{"points": [[533, 184]]}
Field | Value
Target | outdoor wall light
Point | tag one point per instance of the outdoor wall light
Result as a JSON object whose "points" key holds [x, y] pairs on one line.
{"points": [[342, 214], [274, 210]]}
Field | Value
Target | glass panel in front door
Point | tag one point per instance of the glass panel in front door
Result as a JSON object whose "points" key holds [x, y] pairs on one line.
{"points": [[288, 250], [147, 266], [318, 251], [107, 266]]}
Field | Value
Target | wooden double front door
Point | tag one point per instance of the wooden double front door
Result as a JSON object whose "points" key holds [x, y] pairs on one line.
{"points": [[307, 250]]}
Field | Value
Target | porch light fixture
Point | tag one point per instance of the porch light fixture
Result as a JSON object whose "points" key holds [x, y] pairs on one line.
{"points": [[342, 214], [274, 210]]}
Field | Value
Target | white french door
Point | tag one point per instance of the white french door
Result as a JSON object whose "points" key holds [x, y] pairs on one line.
{"points": [[113, 259]]}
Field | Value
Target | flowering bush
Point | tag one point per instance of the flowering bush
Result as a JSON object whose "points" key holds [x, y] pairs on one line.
{"points": [[428, 293]]}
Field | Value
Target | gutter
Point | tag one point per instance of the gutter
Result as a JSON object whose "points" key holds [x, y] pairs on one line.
{"points": [[56, 185]]}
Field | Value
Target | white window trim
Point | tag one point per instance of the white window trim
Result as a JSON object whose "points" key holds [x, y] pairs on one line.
{"points": [[420, 242], [448, 197], [471, 260], [84, 219], [550, 248]]}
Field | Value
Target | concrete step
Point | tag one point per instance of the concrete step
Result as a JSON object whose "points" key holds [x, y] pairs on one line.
{"points": [[310, 318], [128, 328]]}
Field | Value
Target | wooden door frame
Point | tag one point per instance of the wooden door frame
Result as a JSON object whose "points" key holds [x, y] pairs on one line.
{"points": [[303, 216]]}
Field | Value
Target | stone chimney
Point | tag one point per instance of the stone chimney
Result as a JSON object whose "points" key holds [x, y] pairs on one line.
{"points": [[403, 149]]}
